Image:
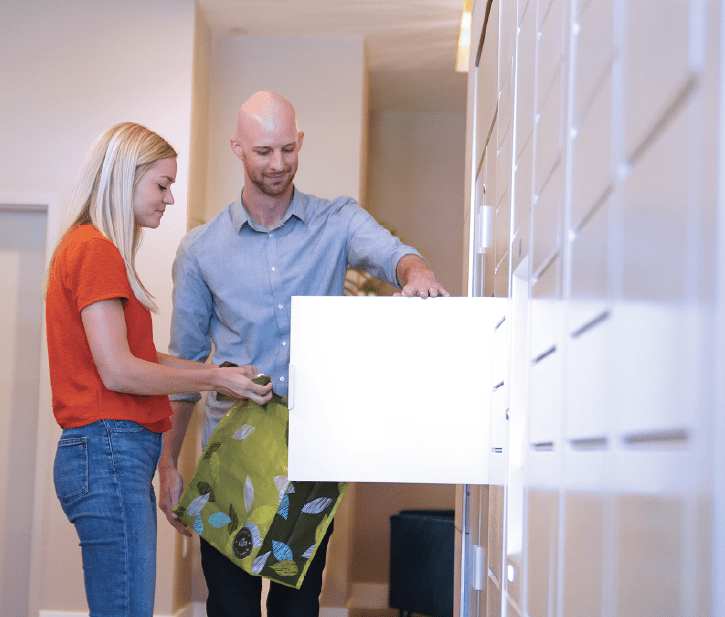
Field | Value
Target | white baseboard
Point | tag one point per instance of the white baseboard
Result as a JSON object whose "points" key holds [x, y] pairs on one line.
{"points": [[326, 611]]}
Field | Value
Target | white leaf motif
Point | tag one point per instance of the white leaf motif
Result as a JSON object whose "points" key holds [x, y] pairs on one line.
{"points": [[195, 506], [243, 432], [316, 506], [259, 562], [248, 494]]}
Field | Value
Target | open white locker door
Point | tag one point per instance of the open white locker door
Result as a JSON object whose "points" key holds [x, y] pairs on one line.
{"points": [[391, 389]]}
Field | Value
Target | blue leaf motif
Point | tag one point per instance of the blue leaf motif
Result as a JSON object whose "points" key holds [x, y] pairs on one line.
{"points": [[219, 519], [281, 551], [283, 510], [316, 506], [199, 525], [256, 536]]}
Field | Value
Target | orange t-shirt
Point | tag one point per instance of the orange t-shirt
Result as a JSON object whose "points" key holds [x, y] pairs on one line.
{"points": [[88, 268]]}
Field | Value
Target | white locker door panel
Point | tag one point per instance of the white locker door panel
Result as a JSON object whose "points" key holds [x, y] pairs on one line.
{"points": [[391, 389]]}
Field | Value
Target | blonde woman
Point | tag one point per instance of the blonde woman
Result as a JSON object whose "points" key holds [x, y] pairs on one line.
{"points": [[108, 381]]}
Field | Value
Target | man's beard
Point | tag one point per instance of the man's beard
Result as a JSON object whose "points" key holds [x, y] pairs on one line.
{"points": [[273, 186]]}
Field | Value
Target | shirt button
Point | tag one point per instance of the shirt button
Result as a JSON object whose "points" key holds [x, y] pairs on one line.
{"points": [[279, 306], [284, 343], [273, 268], [281, 378]]}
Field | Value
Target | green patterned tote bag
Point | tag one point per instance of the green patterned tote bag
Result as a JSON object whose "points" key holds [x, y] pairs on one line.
{"points": [[241, 501]]}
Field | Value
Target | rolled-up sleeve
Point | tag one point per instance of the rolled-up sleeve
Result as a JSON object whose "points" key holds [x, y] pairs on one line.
{"points": [[191, 315]]}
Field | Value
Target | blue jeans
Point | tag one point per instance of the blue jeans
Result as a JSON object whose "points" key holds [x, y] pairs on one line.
{"points": [[102, 475]]}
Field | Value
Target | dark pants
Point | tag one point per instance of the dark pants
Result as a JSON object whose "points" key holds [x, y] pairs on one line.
{"points": [[234, 593]]}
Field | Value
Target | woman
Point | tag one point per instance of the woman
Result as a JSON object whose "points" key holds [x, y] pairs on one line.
{"points": [[108, 381]]}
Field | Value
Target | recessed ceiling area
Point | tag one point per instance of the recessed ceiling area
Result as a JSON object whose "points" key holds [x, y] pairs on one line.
{"points": [[410, 44]]}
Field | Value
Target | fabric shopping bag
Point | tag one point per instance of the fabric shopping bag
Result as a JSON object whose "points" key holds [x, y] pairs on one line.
{"points": [[241, 501]]}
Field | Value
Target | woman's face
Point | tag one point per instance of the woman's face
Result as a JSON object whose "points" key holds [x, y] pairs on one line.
{"points": [[153, 193]]}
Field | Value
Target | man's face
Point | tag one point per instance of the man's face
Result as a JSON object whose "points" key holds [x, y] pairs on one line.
{"points": [[270, 155]]}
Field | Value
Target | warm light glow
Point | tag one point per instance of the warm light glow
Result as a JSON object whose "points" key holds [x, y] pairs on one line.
{"points": [[464, 39]]}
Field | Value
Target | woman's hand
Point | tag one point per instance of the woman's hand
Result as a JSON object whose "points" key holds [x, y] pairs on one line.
{"points": [[236, 381]]}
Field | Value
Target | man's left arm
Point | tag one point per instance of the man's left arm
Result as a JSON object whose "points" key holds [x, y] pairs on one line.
{"points": [[417, 279]]}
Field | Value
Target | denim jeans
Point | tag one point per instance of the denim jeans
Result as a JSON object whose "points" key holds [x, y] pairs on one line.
{"points": [[102, 475]]}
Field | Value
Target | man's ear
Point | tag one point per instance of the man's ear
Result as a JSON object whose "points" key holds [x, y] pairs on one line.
{"points": [[236, 148], [300, 136]]}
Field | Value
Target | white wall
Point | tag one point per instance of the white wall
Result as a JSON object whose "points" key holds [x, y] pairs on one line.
{"points": [[70, 70], [323, 78], [415, 181]]}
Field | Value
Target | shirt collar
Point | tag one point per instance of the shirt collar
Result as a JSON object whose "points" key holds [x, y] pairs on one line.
{"points": [[240, 216]]}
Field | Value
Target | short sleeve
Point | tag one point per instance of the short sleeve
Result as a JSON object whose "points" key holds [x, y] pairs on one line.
{"points": [[96, 271]]}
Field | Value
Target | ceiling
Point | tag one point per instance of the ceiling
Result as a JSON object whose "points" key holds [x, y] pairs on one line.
{"points": [[411, 44]]}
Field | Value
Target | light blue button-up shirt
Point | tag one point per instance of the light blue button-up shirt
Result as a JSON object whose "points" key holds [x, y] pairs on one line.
{"points": [[234, 279]]}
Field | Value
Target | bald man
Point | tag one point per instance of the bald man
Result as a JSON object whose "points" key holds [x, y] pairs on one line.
{"points": [[233, 282]]}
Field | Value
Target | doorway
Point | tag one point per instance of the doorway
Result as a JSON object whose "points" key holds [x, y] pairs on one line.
{"points": [[22, 264]]}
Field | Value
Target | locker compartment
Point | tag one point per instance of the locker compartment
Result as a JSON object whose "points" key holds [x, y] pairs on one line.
{"points": [[522, 193], [504, 161], [656, 67], [497, 442], [501, 278], [546, 311], [520, 248], [506, 106], [592, 168], [655, 368], [591, 253], [495, 534], [549, 138], [655, 221], [486, 90], [546, 399], [589, 382], [594, 51], [542, 551], [649, 548], [507, 37], [584, 556], [548, 212], [526, 77], [551, 45], [499, 361], [502, 227]]}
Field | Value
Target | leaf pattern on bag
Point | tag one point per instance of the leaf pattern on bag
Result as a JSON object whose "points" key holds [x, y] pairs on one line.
{"points": [[256, 536], [195, 506], [199, 525], [233, 520], [218, 519], [283, 509], [259, 562], [285, 568], [281, 551], [281, 482], [211, 448], [205, 487], [248, 494], [243, 432], [316, 506], [308, 553]]}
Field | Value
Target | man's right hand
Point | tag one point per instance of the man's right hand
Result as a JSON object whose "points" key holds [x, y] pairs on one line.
{"points": [[171, 485]]}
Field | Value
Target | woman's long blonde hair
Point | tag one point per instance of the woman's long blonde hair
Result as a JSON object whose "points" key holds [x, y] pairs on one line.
{"points": [[103, 192]]}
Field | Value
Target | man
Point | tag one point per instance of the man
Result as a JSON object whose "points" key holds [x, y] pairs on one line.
{"points": [[233, 282]]}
